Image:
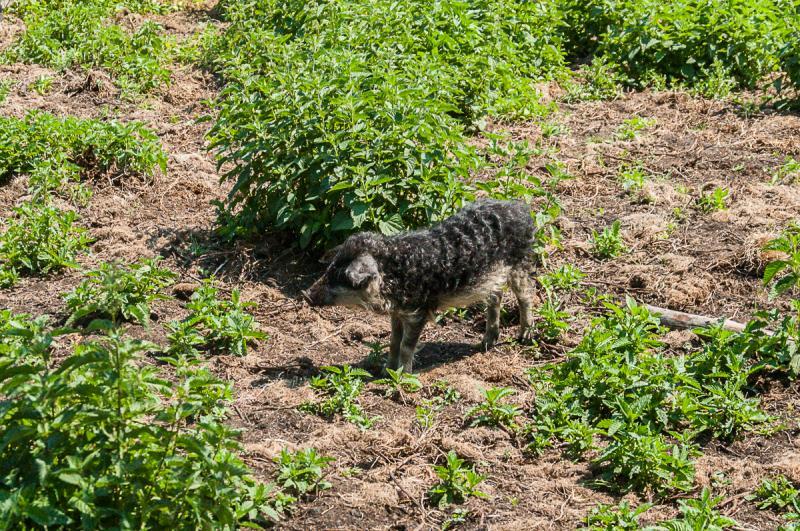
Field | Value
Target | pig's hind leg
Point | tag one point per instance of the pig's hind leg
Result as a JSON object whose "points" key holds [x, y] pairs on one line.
{"points": [[492, 320], [521, 286]]}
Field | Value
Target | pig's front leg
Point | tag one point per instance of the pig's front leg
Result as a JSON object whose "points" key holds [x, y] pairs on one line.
{"points": [[394, 345], [412, 329]]}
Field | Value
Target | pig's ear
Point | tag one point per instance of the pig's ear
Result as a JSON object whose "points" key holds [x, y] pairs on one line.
{"points": [[329, 255], [362, 270]]}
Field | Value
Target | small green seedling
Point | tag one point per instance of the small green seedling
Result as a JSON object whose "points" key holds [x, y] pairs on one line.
{"points": [[340, 388], [42, 85], [399, 382], [301, 472], [609, 243], [789, 172], [631, 127], [713, 201], [620, 517], [565, 278], [493, 411], [457, 483], [552, 321]]}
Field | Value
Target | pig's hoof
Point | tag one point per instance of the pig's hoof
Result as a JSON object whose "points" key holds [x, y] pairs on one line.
{"points": [[525, 335], [489, 340]]}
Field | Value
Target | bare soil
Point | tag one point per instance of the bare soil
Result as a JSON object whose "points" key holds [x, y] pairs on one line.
{"points": [[681, 259]]}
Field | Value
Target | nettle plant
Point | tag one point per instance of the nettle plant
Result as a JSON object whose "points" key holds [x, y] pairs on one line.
{"points": [[399, 382], [119, 293], [457, 483], [376, 99], [494, 411], [301, 472], [784, 274], [214, 324], [339, 389], [102, 439], [56, 152], [38, 240], [619, 385], [608, 243], [70, 34]]}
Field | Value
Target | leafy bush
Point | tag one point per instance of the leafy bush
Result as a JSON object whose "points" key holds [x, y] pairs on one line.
{"points": [[104, 441], [38, 240], [68, 146], [225, 326], [66, 34], [683, 41], [351, 115], [619, 385], [118, 293], [340, 389], [457, 483]]}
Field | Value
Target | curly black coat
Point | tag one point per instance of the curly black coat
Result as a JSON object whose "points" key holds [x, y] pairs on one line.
{"points": [[419, 268]]}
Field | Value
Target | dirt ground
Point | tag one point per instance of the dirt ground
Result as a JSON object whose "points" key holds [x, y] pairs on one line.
{"points": [[681, 259]]}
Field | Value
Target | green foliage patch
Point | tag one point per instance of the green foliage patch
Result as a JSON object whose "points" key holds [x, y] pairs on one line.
{"points": [[64, 34], [103, 440], [39, 239]]}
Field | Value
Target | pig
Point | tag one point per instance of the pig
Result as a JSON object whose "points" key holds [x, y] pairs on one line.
{"points": [[463, 260]]}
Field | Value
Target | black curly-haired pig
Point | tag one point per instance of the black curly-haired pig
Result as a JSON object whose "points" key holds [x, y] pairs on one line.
{"points": [[461, 261]]}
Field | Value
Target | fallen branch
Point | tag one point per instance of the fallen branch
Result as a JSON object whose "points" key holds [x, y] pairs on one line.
{"points": [[682, 320]]}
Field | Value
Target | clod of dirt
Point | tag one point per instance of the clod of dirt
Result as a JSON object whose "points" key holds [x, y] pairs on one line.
{"points": [[753, 258], [184, 290], [372, 494]]}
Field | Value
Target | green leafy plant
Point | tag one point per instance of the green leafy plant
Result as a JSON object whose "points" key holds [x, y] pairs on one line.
{"points": [[86, 147], [38, 240], [377, 100], [565, 278], [784, 273], [102, 439], [69, 34], [226, 325], [637, 459], [456, 483], [119, 293], [631, 127], [340, 388], [399, 382], [42, 85], [778, 493], [301, 472], [789, 171], [620, 517], [699, 513], [493, 411], [608, 243], [5, 89], [714, 200], [552, 321]]}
